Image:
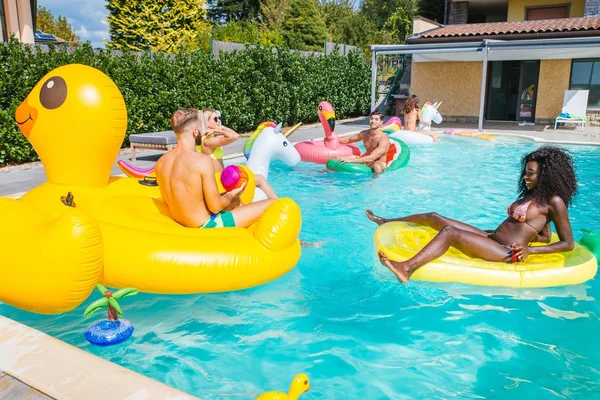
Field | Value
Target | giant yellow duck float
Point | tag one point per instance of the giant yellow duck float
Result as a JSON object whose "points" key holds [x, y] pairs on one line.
{"points": [[84, 226]]}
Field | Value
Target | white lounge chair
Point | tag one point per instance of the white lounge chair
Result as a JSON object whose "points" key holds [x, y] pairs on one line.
{"points": [[575, 104]]}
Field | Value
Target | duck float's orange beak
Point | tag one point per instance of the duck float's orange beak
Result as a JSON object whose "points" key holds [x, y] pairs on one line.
{"points": [[26, 117]]}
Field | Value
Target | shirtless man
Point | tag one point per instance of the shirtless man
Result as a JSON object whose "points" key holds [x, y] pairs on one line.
{"points": [[187, 182], [376, 144]]}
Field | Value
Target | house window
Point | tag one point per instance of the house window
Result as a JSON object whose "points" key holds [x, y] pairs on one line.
{"points": [[4, 31], [585, 74], [533, 13]]}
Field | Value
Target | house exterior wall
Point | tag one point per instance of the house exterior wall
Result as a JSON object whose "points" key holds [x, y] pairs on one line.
{"points": [[553, 81], [420, 25], [19, 20], [516, 8], [592, 8], [457, 84], [458, 12]]}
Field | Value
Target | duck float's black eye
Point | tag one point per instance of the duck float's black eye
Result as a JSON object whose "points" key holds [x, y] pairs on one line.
{"points": [[306, 382], [53, 93]]}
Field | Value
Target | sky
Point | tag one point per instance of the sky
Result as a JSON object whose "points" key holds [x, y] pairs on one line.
{"points": [[87, 17]]}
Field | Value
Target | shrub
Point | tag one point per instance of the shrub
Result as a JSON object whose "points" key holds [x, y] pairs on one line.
{"points": [[248, 87]]}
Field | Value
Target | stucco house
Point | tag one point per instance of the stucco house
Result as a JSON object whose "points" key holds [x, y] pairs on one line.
{"points": [[505, 60], [18, 17]]}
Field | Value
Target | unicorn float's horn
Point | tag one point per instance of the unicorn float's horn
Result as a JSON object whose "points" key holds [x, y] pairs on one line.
{"points": [[437, 105], [292, 129]]}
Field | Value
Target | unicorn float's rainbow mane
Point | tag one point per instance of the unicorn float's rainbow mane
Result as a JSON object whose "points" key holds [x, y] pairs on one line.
{"points": [[393, 125], [254, 136]]}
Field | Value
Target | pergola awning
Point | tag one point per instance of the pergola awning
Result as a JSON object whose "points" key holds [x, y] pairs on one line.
{"points": [[489, 50]]}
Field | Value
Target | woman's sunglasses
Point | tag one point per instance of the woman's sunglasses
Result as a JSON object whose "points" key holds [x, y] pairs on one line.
{"points": [[216, 119]]}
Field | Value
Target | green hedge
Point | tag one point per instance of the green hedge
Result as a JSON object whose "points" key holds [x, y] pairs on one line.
{"points": [[248, 87]]}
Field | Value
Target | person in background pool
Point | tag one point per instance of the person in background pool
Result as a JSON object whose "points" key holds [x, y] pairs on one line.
{"points": [[376, 145], [412, 112], [547, 186], [213, 135]]}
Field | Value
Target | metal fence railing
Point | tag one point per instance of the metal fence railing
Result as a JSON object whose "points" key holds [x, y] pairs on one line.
{"points": [[217, 47]]}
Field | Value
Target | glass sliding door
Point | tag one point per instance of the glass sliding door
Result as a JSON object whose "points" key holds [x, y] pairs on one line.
{"points": [[511, 90], [528, 90]]}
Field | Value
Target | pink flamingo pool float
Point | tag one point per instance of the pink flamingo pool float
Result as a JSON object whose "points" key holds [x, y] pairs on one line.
{"points": [[319, 151]]}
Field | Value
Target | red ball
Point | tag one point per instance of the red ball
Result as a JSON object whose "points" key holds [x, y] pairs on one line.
{"points": [[233, 177]]}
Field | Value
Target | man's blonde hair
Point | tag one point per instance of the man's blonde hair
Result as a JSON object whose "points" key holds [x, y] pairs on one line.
{"points": [[184, 118]]}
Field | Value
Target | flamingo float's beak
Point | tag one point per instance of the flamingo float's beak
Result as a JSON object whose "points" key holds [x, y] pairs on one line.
{"points": [[292, 129], [330, 118], [331, 123]]}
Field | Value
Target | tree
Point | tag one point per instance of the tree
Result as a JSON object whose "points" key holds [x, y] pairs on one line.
{"points": [[273, 12], [432, 9], [344, 23], [60, 27], [302, 26], [109, 301], [233, 10], [247, 33], [159, 25], [399, 24], [391, 19]]}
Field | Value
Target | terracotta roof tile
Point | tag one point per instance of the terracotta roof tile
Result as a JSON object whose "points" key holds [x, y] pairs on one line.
{"points": [[505, 28]]}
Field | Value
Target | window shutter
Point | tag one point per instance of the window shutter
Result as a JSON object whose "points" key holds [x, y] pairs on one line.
{"points": [[547, 13]]}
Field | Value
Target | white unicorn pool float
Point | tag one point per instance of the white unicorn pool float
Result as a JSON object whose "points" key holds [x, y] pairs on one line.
{"points": [[265, 144], [429, 112]]}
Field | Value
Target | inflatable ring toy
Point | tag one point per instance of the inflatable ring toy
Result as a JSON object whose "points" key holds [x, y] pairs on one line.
{"points": [[398, 157], [107, 332], [118, 233], [393, 128], [400, 241], [591, 241]]}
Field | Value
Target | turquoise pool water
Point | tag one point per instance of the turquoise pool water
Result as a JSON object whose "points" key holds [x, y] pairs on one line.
{"points": [[343, 319]]}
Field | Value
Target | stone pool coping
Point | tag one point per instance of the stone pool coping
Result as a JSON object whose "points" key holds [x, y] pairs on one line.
{"points": [[61, 371]]}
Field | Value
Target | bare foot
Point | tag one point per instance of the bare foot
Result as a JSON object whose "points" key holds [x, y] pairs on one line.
{"points": [[375, 218], [397, 268]]}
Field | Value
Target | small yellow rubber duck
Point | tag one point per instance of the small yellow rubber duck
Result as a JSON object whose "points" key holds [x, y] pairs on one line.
{"points": [[298, 386]]}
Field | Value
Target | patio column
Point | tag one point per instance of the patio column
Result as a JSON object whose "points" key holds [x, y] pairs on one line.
{"points": [[373, 78], [483, 85], [25, 21]]}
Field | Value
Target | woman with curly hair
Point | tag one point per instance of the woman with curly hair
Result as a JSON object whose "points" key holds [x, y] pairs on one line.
{"points": [[547, 185]]}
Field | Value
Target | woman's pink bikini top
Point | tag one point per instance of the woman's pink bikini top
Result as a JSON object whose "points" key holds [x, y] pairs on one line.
{"points": [[520, 211]]}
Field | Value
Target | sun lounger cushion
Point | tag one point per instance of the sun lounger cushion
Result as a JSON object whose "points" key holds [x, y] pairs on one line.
{"points": [[156, 138], [572, 116]]}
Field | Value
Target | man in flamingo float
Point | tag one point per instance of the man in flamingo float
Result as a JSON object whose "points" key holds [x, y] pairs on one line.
{"points": [[376, 144]]}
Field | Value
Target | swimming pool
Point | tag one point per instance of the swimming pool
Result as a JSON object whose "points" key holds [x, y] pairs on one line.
{"points": [[343, 319]]}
